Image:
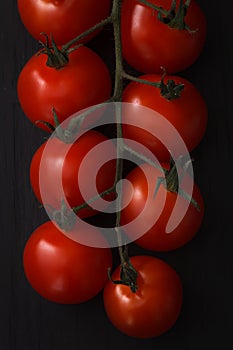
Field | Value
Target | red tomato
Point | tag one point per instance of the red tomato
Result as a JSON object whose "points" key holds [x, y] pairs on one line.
{"points": [[55, 167], [62, 270], [156, 305], [149, 44], [187, 113], [155, 238], [64, 19], [67, 90]]}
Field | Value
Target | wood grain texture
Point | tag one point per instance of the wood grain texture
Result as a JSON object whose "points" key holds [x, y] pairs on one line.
{"points": [[205, 265]]}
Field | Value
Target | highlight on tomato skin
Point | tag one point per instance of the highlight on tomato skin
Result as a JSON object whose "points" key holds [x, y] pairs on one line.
{"points": [[154, 308], [62, 270], [64, 19], [148, 44]]}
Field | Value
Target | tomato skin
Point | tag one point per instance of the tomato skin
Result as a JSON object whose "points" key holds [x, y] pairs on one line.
{"points": [[148, 44], [156, 238], [156, 305], [188, 114], [64, 19], [62, 270], [67, 90], [56, 166]]}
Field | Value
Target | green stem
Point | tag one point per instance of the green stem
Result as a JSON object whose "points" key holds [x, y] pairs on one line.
{"points": [[141, 81], [116, 21], [75, 124], [175, 17], [58, 58], [128, 272], [118, 88], [169, 90], [86, 205], [143, 158], [87, 32], [154, 7]]}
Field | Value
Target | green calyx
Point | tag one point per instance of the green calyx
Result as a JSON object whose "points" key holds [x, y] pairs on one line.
{"points": [[171, 181], [128, 274], [63, 217], [171, 177], [57, 58], [170, 90], [175, 18], [65, 135]]}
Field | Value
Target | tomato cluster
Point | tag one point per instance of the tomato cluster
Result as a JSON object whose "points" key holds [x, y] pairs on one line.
{"points": [[143, 296]]}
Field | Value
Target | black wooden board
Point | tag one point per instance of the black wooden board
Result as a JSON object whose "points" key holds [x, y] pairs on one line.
{"points": [[29, 322]]}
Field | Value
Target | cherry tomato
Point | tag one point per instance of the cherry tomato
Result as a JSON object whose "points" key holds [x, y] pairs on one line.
{"points": [[64, 19], [83, 82], [55, 169], [156, 305], [155, 238], [149, 44], [187, 113], [62, 270]]}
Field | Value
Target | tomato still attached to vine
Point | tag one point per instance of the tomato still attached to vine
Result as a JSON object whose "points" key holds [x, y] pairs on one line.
{"points": [[55, 168], [67, 90], [62, 270], [151, 39], [153, 308], [144, 201], [187, 113], [62, 79], [64, 19]]}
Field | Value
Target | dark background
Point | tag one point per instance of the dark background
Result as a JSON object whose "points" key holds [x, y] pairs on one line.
{"points": [[27, 321]]}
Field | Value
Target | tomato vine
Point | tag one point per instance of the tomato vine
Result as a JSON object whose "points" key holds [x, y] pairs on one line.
{"points": [[58, 57]]}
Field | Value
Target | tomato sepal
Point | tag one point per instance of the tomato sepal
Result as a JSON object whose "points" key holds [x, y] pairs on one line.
{"points": [[176, 19], [57, 58], [173, 18], [170, 90], [64, 218], [128, 273], [171, 181]]}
